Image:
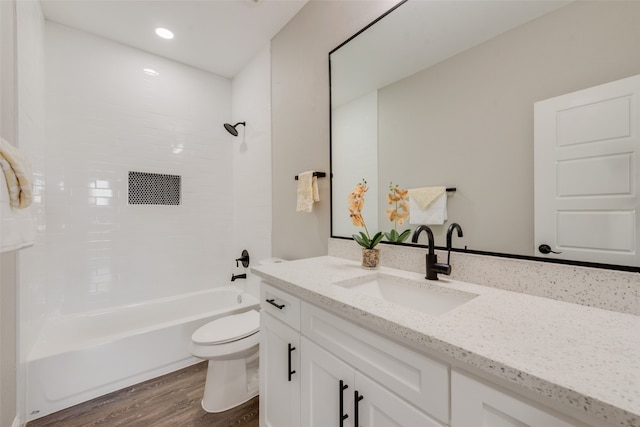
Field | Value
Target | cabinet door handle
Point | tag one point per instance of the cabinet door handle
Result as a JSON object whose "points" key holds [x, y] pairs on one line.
{"points": [[273, 303], [291, 348], [358, 397], [343, 416]]}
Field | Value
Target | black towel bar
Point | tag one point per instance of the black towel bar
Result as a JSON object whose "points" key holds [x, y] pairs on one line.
{"points": [[318, 174]]}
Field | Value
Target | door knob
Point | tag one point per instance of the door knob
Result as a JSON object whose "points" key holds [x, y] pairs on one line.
{"points": [[546, 249]]}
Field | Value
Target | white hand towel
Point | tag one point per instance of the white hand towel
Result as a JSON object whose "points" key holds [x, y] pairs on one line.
{"points": [[307, 192], [435, 201]]}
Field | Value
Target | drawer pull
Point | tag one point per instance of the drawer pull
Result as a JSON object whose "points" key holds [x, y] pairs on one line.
{"points": [[273, 303], [343, 416], [291, 348], [358, 398]]}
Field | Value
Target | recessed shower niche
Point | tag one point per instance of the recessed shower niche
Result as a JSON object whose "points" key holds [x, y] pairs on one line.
{"points": [[154, 189]]}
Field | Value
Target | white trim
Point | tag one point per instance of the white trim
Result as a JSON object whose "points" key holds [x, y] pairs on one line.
{"points": [[17, 422]]}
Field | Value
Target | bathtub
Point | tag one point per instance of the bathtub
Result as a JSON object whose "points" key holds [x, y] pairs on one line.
{"points": [[83, 356]]}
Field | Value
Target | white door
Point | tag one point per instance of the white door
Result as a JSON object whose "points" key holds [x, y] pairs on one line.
{"points": [[279, 385], [379, 407], [586, 179], [474, 404], [322, 396]]}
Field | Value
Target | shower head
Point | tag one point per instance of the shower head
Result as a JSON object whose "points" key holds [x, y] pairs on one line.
{"points": [[232, 129]]}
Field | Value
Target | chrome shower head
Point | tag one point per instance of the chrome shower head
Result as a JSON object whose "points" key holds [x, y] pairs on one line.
{"points": [[232, 129]]}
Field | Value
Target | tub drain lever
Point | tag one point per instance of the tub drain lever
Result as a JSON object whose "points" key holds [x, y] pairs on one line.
{"points": [[244, 259]]}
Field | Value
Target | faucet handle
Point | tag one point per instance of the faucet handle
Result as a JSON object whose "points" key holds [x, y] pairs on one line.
{"points": [[442, 268], [244, 259]]}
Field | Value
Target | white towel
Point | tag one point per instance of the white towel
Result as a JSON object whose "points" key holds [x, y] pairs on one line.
{"points": [[307, 192], [17, 229], [435, 212], [17, 173]]}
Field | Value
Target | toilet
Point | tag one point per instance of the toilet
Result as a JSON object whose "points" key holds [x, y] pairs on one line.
{"points": [[230, 344]]}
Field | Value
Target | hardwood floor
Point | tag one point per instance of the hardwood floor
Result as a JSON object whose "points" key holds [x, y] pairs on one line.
{"points": [[170, 400]]}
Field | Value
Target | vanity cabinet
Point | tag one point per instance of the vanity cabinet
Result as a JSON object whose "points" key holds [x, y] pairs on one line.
{"points": [[475, 403], [279, 359], [318, 369], [336, 394], [413, 377]]}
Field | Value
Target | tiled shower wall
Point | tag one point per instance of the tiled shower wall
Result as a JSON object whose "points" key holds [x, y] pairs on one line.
{"points": [[251, 103], [106, 117]]}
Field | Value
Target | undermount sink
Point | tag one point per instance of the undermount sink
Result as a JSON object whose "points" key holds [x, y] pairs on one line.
{"points": [[417, 295]]}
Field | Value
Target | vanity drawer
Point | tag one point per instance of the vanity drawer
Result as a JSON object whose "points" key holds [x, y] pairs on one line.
{"points": [[411, 375], [280, 305]]}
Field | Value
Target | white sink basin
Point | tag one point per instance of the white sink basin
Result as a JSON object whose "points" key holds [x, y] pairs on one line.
{"points": [[417, 295]]}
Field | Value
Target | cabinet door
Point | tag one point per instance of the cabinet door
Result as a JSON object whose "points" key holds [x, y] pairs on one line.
{"points": [[279, 384], [475, 404], [322, 397], [381, 408]]}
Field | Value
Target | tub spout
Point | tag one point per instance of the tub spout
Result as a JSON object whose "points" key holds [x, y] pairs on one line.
{"points": [[238, 276]]}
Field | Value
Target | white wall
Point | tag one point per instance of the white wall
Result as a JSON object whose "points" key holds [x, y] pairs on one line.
{"points": [[355, 136], [300, 115], [106, 117], [251, 103]]}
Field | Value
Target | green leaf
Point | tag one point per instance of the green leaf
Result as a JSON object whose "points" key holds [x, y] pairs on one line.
{"points": [[402, 237], [361, 242], [376, 239]]}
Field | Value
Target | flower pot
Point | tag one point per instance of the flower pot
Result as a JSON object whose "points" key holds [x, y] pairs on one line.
{"points": [[370, 258]]}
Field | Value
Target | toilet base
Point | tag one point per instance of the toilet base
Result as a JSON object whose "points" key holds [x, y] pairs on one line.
{"points": [[230, 383]]}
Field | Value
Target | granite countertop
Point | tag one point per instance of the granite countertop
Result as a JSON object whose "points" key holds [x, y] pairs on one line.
{"points": [[584, 357]]}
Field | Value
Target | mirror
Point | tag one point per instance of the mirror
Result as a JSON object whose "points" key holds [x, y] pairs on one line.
{"points": [[442, 93]]}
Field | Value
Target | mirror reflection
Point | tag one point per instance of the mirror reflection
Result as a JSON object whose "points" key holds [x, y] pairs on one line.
{"points": [[443, 93]]}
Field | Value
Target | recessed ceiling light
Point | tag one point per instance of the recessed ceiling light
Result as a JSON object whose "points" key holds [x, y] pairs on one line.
{"points": [[150, 71], [164, 33]]}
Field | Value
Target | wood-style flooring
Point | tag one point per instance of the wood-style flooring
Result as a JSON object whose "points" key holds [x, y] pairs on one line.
{"points": [[167, 401]]}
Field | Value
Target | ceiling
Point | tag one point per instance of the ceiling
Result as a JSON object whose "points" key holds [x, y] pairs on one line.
{"points": [[219, 36]]}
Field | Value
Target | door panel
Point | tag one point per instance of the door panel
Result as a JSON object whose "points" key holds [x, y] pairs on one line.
{"points": [[381, 408], [321, 376], [279, 397], [587, 152]]}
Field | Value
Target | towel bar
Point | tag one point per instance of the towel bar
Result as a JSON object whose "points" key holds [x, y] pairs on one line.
{"points": [[318, 174]]}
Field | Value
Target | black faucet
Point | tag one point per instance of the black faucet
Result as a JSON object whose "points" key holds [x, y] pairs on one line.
{"points": [[433, 268], [453, 226], [238, 276]]}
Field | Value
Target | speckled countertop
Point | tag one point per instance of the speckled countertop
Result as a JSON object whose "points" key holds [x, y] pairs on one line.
{"points": [[586, 358]]}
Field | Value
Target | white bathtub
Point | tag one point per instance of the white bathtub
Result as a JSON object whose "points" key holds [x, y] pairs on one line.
{"points": [[80, 357]]}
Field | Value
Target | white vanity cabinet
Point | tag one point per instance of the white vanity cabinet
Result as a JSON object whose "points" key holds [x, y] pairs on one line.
{"points": [[279, 359], [394, 385], [318, 369], [477, 404], [336, 394], [308, 355]]}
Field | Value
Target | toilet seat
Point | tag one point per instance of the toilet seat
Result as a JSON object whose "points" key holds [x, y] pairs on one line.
{"points": [[228, 329]]}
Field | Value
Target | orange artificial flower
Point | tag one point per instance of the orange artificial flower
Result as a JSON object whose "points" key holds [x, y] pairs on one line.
{"points": [[399, 213]]}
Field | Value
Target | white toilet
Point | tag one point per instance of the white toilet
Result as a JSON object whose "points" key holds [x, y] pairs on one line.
{"points": [[230, 344]]}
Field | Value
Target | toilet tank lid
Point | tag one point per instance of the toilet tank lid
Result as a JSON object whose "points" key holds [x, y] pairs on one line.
{"points": [[228, 328]]}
